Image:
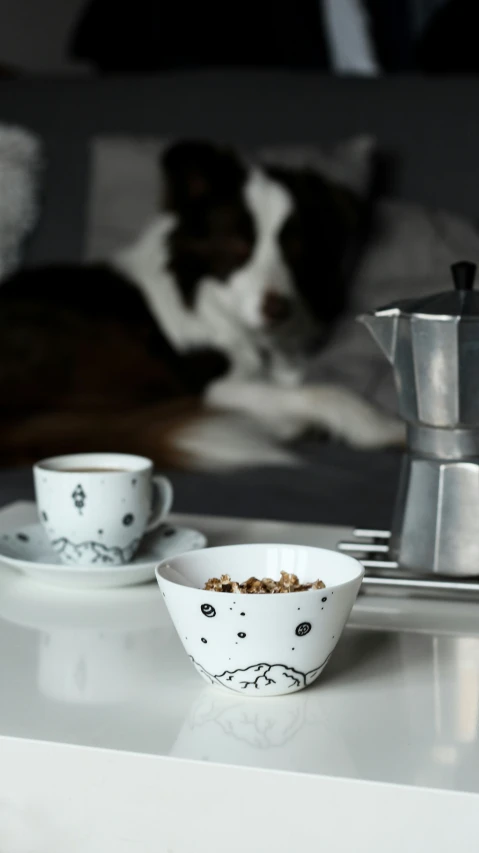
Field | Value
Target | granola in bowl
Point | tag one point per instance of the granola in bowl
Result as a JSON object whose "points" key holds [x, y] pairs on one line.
{"points": [[253, 586]]}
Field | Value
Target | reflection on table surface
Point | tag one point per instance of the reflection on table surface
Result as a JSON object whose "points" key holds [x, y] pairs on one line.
{"points": [[399, 701]]}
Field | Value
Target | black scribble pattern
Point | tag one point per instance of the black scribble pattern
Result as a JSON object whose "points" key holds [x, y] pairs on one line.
{"points": [[79, 498], [93, 553], [261, 676]]}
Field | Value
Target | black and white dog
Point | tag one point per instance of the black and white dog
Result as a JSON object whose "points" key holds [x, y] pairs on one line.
{"points": [[190, 345]]}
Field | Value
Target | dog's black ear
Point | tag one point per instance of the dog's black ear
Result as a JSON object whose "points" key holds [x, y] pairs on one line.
{"points": [[199, 172]]}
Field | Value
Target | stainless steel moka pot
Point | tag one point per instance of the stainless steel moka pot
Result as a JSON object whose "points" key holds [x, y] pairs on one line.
{"points": [[433, 346]]}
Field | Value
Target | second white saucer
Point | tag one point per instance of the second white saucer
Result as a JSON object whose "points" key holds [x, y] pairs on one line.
{"points": [[28, 549]]}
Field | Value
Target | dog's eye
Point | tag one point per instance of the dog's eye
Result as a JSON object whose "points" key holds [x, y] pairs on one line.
{"points": [[228, 255], [240, 248], [233, 248]]}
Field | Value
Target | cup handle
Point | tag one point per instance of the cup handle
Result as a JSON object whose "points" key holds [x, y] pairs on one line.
{"points": [[161, 502]]}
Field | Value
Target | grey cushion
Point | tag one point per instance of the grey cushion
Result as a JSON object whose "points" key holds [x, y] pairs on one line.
{"points": [[339, 486], [432, 126]]}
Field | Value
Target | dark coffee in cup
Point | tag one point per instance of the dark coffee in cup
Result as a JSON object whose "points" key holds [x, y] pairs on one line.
{"points": [[96, 470]]}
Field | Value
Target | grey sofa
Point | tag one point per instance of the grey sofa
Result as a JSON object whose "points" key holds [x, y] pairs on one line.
{"points": [[429, 129]]}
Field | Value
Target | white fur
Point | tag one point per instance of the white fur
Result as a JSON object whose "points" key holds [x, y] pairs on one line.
{"points": [[210, 323], [224, 441], [228, 316], [270, 205], [288, 412]]}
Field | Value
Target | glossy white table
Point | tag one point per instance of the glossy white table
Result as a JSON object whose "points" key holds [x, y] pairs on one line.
{"points": [[111, 743]]}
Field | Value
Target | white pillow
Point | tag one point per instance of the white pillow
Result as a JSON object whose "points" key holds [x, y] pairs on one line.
{"points": [[20, 160]]}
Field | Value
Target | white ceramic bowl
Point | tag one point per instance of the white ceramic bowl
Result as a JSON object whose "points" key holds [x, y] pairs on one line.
{"points": [[260, 645]]}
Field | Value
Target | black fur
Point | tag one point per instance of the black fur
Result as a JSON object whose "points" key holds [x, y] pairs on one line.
{"points": [[215, 233], [317, 239], [83, 338]]}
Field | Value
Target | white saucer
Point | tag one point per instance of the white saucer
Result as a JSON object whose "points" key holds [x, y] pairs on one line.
{"points": [[28, 549]]}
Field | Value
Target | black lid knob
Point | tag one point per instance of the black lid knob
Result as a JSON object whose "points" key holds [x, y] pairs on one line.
{"points": [[463, 273]]}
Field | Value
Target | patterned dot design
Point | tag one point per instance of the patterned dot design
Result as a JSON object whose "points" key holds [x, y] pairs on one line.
{"points": [[169, 531], [203, 640], [128, 519], [241, 635], [208, 610], [23, 537], [303, 629]]}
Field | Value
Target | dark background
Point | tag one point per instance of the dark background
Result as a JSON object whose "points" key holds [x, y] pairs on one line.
{"points": [[72, 37]]}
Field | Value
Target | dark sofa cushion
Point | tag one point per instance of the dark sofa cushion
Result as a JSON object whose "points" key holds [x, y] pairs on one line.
{"points": [[338, 486]]}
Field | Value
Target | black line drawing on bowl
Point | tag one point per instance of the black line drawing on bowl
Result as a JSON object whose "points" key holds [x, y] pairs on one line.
{"points": [[261, 676], [208, 610]]}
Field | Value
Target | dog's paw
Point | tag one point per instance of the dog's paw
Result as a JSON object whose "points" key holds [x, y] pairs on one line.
{"points": [[344, 415], [222, 442], [375, 431]]}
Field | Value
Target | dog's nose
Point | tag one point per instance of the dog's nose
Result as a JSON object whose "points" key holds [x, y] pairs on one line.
{"points": [[276, 307]]}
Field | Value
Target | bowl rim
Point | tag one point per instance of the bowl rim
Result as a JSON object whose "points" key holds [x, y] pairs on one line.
{"points": [[169, 562]]}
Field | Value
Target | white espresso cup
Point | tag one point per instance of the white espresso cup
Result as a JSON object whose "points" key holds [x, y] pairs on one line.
{"points": [[96, 507]]}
